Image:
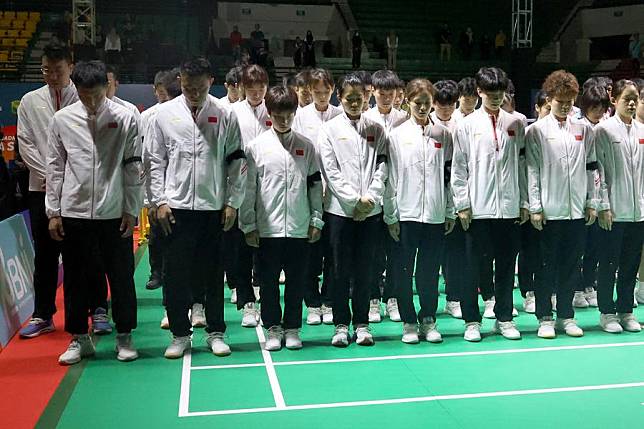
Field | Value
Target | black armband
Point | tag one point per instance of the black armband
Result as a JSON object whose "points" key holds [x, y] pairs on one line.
{"points": [[238, 154], [592, 166], [380, 159], [313, 178], [131, 160]]}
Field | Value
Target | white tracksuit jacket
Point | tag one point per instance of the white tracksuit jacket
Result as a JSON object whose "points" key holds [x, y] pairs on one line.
{"points": [[390, 121], [308, 120], [253, 121], [283, 188], [94, 163]]}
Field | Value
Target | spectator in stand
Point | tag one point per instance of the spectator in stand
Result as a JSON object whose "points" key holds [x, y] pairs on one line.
{"points": [[446, 42], [257, 42], [485, 46], [235, 44], [467, 43], [113, 47], [635, 51], [99, 41], [309, 51], [297, 53], [356, 49], [392, 48], [499, 44]]}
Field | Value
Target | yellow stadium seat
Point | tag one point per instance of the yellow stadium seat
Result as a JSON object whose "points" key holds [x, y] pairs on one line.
{"points": [[22, 43], [31, 25], [13, 33], [23, 16], [5, 23], [8, 42], [34, 16], [3, 33], [18, 25], [26, 34], [10, 15], [4, 58]]}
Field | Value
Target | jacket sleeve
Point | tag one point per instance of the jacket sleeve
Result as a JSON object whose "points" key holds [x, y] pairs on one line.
{"points": [[390, 199], [314, 183], [157, 155], [235, 163], [335, 181], [593, 181], [376, 188], [247, 213], [132, 171], [29, 152], [524, 202], [606, 167], [450, 212], [534, 160], [56, 160], [460, 171]]}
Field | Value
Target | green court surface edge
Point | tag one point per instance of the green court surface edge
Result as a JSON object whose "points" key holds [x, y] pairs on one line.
{"points": [[105, 393]]}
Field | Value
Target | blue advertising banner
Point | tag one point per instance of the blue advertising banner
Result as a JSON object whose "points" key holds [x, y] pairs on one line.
{"points": [[16, 276]]}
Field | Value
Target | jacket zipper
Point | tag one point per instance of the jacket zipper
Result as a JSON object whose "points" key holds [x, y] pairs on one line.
{"points": [[566, 138], [424, 148], [496, 169]]}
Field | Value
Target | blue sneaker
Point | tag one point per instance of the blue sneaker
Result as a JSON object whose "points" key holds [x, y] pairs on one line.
{"points": [[101, 322], [36, 327]]}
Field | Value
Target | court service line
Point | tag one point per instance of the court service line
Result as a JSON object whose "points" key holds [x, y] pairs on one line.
{"points": [[184, 398], [270, 370], [417, 399], [423, 356]]}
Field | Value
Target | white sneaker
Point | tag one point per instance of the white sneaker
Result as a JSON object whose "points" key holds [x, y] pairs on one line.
{"points": [[274, 337], [508, 330], [410, 333], [282, 279], [292, 339], [250, 315], [256, 292], [579, 300], [327, 315], [453, 308], [472, 332], [341, 336], [392, 310], [489, 308], [515, 312], [216, 343], [553, 301], [570, 327], [233, 296], [198, 316], [314, 316], [629, 322], [165, 323], [639, 293], [529, 303], [363, 335], [591, 296], [374, 311], [81, 346], [177, 347], [610, 323], [125, 349], [547, 328], [429, 330]]}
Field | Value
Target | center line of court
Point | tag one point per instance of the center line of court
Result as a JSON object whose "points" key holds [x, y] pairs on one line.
{"points": [[270, 370], [267, 356]]}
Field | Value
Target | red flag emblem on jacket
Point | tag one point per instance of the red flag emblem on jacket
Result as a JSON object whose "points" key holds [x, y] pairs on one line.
{"points": [[269, 123], [371, 139], [112, 125], [438, 145], [511, 133], [579, 138], [299, 152], [641, 141], [212, 119]]}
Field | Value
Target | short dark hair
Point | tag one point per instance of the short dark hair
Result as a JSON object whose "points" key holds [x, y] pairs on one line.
{"points": [[384, 79], [467, 87], [281, 99], [540, 98], [57, 53], [593, 97], [171, 83], [491, 79], [321, 75], [351, 79], [112, 69], [620, 86], [364, 76], [197, 66], [591, 81], [446, 92], [302, 78], [254, 74], [89, 74], [401, 84], [561, 83], [639, 82], [605, 80], [289, 80], [233, 77]]}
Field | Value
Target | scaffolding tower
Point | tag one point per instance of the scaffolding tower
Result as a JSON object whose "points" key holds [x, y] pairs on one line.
{"points": [[83, 21], [522, 23]]}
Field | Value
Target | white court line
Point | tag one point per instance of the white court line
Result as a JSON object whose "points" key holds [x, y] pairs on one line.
{"points": [[425, 356], [419, 399], [184, 398], [270, 371]]}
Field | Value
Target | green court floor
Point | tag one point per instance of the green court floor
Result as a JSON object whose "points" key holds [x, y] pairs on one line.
{"points": [[592, 382]]}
